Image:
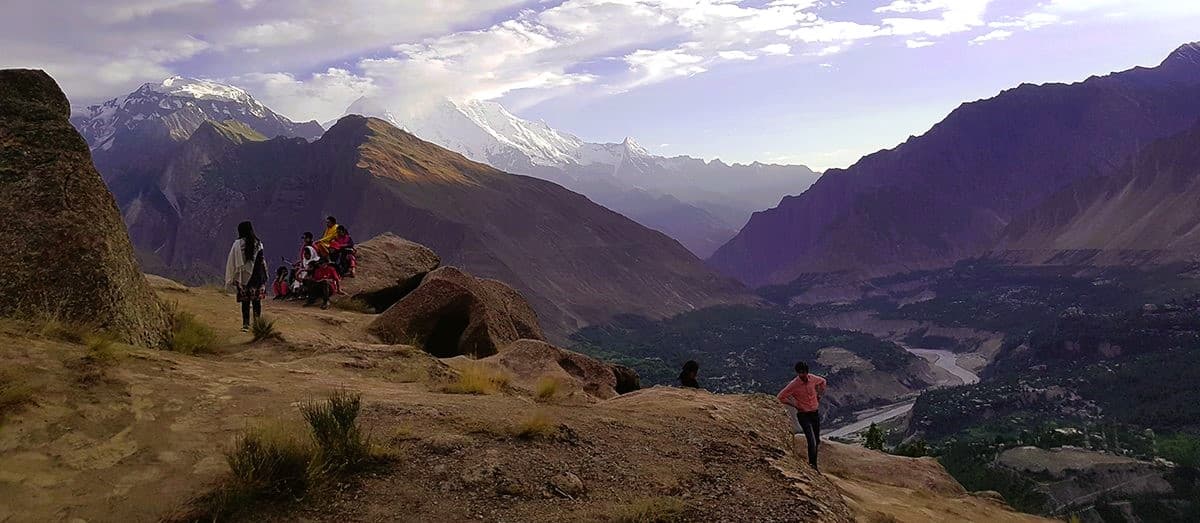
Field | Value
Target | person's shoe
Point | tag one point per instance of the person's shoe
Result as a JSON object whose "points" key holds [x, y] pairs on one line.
{"points": [[245, 328], [325, 306]]}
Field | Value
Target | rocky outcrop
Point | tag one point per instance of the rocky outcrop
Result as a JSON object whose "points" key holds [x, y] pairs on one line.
{"points": [[389, 267], [453, 313], [531, 360], [67, 255]]}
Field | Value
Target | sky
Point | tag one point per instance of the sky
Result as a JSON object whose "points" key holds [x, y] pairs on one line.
{"points": [[818, 82]]}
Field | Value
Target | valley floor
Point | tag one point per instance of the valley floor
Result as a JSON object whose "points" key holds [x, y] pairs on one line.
{"points": [[137, 437]]}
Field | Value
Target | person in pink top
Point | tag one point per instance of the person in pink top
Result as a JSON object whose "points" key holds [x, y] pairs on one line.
{"points": [[804, 394]]}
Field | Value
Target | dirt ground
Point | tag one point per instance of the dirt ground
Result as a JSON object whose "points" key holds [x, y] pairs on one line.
{"points": [[135, 438]]}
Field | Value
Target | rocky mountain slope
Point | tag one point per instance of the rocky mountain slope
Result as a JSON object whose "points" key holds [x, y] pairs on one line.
{"points": [[132, 137], [950, 193], [700, 203], [578, 262], [68, 258], [1143, 212]]}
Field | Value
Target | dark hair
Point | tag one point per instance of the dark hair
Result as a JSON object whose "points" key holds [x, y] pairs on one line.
{"points": [[331, 219], [342, 229], [307, 235], [250, 241], [802, 370], [691, 366], [281, 271]]}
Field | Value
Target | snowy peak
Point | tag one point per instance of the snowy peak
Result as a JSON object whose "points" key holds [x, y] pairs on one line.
{"points": [[200, 99]]}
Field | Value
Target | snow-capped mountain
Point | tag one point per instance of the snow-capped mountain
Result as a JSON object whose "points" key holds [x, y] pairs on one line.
{"points": [[700, 203], [184, 103]]}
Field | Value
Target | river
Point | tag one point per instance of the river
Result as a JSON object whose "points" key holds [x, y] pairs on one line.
{"points": [[942, 359]]}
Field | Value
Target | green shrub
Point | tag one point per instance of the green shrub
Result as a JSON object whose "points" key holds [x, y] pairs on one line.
{"points": [[340, 442], [190, 336], [270, 461], [264, 329]]}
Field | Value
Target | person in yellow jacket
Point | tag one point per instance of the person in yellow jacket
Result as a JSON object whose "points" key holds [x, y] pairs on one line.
{"points": [[322, 245]]}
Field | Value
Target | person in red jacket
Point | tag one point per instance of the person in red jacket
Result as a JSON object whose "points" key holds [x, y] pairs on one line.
{"points": [[323, 282], [804, 393]]}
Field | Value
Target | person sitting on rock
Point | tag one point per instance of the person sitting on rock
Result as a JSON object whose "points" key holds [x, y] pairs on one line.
{"points": [[341, 253], [280, 286], [687, 378], [322, 245], [323, 282], [802, 396]]}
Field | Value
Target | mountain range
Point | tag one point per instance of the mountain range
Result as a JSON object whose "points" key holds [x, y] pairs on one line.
{"points": [[184, 188], [700, 203], [963, 188]]}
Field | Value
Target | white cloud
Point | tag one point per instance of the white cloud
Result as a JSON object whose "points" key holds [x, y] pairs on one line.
{"points": [[995, 35], [776, 49], [918, 43], [322, 96], [735, 55]]}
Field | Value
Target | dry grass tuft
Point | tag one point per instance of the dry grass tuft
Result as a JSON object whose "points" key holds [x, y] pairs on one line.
{"points": [[189, 335], [69, 331], [279, 462], [547, 388], [538, 425], [660, 509], [14, 394], [477, 378]]}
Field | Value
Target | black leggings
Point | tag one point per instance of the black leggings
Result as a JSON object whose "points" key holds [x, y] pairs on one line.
{"points": [[810, 422], [246, 311]]}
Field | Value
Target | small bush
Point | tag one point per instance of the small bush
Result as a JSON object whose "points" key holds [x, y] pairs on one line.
{"points": [[537, 426], [190, 336], [13, 395], [341, 444], [103, 349], [264, 329], [547, 388], [650, 510], [269, 461], [280, 462], [477, 378]]}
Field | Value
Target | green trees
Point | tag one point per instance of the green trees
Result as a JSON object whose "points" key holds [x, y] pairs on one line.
{"points": [[874, 438]]}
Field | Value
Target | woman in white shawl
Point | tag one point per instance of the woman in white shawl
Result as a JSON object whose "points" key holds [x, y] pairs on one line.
{"points": [[246, 270]]}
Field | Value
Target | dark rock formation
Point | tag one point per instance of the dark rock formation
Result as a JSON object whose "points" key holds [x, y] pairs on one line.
{"points": [[389, 267], [67, 254], [453, 313]]}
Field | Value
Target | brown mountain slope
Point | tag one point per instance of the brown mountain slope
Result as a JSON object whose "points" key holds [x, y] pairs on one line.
{"points": [[1145, 212], [67, 255], [949, 193], [576, 261]]}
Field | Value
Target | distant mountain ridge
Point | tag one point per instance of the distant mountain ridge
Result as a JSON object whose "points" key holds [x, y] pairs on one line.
{"points": [[701, 203], [950, 193]]}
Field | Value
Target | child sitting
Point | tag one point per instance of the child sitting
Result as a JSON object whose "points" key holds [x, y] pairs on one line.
{"points": [[323, 282], [280, 287]]}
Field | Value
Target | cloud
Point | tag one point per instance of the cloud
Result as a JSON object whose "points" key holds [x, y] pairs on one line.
{"points": [[322, 96], [918, 43], [995, 35], [776, 49]]}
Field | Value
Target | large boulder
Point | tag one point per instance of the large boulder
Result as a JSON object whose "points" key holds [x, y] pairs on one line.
{"points": [[532, 360], [452, 313], [389, 267], [67, 254]]}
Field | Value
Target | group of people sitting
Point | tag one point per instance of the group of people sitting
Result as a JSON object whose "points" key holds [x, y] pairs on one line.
{"points": [[317, 274]]}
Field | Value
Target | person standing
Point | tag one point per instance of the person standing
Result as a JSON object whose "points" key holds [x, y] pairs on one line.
{"points": [[689, 376], [803, 394], [246, 271]]}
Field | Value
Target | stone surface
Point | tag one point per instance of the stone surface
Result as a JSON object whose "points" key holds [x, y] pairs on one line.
{"points": [[453, 313], [531, 360], [67, 254], [389, 267]]}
